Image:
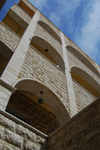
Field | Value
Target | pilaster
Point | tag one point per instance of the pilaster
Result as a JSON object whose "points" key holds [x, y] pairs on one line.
{"points": [[71, 93], [10, 75]]}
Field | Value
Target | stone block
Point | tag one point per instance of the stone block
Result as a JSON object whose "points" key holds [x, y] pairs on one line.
{"points": [[20, 130], [13, 138], [31, 146], [7, 123], [42, 141], [8, 146], [53, 140], [1, 132], [30, 135], [1, 144]]}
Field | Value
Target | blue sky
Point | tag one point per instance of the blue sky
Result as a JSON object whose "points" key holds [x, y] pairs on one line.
{"points": [[78, 19]]}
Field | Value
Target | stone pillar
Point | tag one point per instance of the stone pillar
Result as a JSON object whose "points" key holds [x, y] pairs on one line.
{"points": [[71, 93], [5, 93], [10, 75]]}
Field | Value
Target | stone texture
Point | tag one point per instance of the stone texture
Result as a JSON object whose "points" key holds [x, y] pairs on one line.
{"points": [[19, 139], [74, 61], [42, 33], [83, 131], [13, 138], [1, 132], [33, 114], [31, 146], [46, 73], [49, 23], [8, 37], [83, 97], [1, 144], [7, 123]]}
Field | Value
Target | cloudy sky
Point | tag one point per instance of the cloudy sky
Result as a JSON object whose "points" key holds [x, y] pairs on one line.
{"points": [[78, 19]]}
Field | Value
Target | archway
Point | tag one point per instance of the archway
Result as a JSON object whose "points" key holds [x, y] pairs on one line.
{"points": [[5, 55], [50, 30], [48, 51], [82, 58], [45, 117], [85, 80]]}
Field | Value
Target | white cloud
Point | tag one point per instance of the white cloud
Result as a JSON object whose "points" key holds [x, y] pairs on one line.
{"points": [[65, 9], [90, 31], [55, 19], [38, 3]]}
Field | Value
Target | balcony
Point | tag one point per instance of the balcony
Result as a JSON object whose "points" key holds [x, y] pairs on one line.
{"points": [[19, 15], [7, 36], [38, 67], [42, 33]]}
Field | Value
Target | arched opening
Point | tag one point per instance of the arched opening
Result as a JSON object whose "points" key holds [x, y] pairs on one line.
{"points": [[50, 30], [86, 81], [5, 55], [48, 51], [24, 105], [82, 58]]}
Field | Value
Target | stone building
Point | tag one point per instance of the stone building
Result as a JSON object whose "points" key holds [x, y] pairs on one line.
{"points": [[49, 88]]}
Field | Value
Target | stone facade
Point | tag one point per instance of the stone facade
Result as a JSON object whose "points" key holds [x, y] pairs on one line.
{"points": [[80, 133], [14, 136], [35, 57], [8, 37], [32, 113]]}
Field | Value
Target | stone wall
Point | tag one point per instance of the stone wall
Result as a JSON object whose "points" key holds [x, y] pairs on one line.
{"points": [[73, 61], [14, 136], [83, 96], [50, 24], [37, 67], [32, 113], [42, 33], [72, 44], [8, 37], [81, 133]]}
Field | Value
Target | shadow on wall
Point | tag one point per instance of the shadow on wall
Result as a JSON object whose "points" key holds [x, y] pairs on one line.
{"points": [[5, 56], [48, 51]]}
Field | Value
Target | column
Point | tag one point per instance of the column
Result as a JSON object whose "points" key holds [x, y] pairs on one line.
{"points": [[10, 75], [71, 93]]}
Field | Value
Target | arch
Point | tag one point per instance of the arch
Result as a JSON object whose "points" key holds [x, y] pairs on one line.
{"points": [[85, 80], [49, 97], [82, 58], [5, 55], [50, 30], [48, 51]]}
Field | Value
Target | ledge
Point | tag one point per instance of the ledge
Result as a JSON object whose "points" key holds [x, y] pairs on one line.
{"points": [[23, 124]]}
